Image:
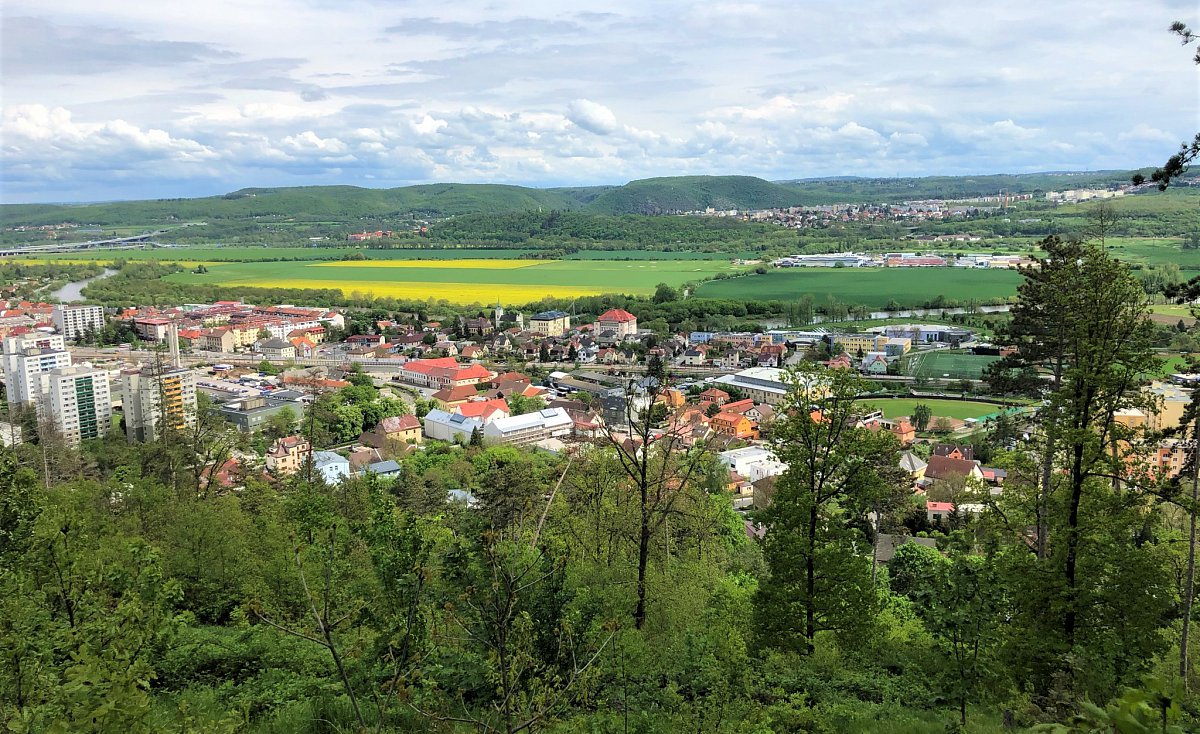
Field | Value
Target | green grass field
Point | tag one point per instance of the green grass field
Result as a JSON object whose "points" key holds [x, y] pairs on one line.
{"points": [[873, 287], [960, 409], [465, 281], [942, 364]]}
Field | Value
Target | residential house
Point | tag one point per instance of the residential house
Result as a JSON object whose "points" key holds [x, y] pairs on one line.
{"points": [[761, 414], [771, 355], [946, 468], [955, 451], [734, 426], [714, 395], [365, 340], [304, 347], [478, 326], [913, 464], [332, 467], [287, 455], [875, 363], [938, 512], [451, 397], [486, 411], [695, 356], [219, 339], [393, 432], [387, 468], [739, 406], [276, 348]]}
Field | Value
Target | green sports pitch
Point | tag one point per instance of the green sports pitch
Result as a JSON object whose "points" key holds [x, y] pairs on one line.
{"points": [[943, 363]]}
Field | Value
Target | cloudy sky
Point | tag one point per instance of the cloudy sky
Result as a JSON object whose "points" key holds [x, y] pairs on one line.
{"points": [[112, 99]]}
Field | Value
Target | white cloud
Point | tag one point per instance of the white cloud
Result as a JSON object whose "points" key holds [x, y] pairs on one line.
{"points": [[592, 116]]}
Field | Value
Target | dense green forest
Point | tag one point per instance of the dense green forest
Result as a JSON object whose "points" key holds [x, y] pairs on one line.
{"points": [[615, 589]]}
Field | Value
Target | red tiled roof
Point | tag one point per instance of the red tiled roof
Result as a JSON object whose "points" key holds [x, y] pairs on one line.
{"points": [[398, 423], [619, 315], [426, 366], [740, 406], [482, 408], [941, 467]]}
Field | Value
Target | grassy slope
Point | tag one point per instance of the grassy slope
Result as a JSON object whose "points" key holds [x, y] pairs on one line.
{"points": [[870, 286]]}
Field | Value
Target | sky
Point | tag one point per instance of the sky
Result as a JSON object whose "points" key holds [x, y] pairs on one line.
{"points": [[112, 99]]}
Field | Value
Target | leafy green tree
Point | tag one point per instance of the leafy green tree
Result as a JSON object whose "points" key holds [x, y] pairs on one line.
{"points": [[820, 579], [664, 293], [1097, 338], [960, 599], [520, 405], [921, 415]]}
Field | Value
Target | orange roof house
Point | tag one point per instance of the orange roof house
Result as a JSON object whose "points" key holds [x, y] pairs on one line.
{"points": [[734, 425]]}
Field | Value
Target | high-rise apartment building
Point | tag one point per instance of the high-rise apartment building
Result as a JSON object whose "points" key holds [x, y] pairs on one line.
{"points": [[77, 401], [26, 358], [154, 398], [74, 321]]}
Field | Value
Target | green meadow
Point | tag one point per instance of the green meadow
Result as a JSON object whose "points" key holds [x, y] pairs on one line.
{"points": [[873, 287]]}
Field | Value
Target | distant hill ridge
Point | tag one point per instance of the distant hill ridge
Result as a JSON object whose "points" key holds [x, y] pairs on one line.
{"points": [[645, 196]]}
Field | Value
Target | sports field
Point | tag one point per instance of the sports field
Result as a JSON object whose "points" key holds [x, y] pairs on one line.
{"points": [[945, 364], [960, 409], [873, 287], [464, 280]]}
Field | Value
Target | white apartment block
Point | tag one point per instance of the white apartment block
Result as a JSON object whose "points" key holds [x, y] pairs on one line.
{"points": [[78, 401], [74, 321], [151, 401], [26, 358]]}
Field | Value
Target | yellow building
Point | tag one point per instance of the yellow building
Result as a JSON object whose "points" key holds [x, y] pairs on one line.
{"points": [[551, 323], [852, 344], [1169, 403]]}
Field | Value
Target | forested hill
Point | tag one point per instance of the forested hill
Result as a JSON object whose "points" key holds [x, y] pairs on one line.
{"points": [[646, 196]]}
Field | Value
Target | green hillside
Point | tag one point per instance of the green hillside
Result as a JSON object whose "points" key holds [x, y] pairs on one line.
{"points": [[689, 193], [351, 205], [306, 203]]}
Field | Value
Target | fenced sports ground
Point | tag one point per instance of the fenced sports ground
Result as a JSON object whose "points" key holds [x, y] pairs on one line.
{"points": [[946, 364]]}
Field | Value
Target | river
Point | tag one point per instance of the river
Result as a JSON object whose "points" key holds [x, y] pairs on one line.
{"points": [[74, 291]]}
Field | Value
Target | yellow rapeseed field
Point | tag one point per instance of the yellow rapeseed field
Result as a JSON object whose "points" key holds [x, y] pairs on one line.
{"points": [[452, 292], [439, 264]]}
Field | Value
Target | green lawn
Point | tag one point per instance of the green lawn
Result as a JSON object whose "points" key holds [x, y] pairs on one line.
{"points": [[961, 409], [873, 287]]}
